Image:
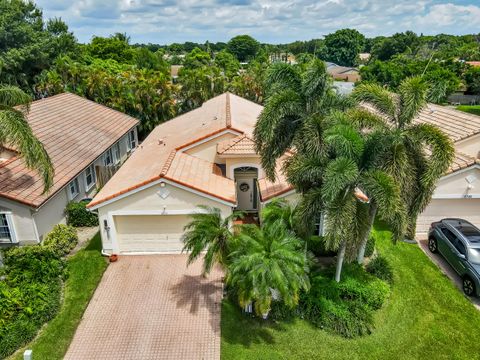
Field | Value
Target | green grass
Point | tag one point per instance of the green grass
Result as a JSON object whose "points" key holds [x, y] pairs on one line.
{"points": [[85, 269], [425, 317], [472, 109]]}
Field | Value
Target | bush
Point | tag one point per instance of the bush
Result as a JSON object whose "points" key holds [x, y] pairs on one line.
{"points": [[381, 268], [345, 308], [316, 245], [29, 295], [370, 248], [78, 215], [62, 239]]}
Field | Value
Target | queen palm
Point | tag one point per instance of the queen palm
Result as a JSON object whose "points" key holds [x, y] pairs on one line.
{"points": [[16, 133], [417, 154], [293, 100], [211, 233], [268, 264]]}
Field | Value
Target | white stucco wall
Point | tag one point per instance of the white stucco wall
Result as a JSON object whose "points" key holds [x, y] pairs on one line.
{"points": [[149, 201], [456, 184], [23, 224], [234, 162], [51, 213]]}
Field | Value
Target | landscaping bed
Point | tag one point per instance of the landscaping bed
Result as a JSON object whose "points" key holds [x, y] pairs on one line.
{"points": [[84, 269], [424, 317]]}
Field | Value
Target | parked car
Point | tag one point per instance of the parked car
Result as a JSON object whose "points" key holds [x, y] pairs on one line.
{"points": [[458, 241]]}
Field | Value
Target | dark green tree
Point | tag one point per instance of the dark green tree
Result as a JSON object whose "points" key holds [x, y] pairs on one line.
{"points": [[244, 47], [343, 46]]}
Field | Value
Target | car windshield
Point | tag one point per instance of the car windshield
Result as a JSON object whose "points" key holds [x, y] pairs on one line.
{"points": [[470, 232], [474, 255]]}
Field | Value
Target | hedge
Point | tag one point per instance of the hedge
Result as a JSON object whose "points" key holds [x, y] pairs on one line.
{"points": [[78, 215], [62, 239]]}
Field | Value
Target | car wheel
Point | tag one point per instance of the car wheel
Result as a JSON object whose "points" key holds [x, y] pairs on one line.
{"points": [[432, 245], [468, 286]]}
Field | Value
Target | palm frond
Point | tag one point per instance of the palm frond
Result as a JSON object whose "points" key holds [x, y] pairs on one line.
{"points": [[379, 98], [413, 93], [340, 176], [281, 76]]}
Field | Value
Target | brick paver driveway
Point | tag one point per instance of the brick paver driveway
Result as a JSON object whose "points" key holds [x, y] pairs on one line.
{"points": [[151, 307]]}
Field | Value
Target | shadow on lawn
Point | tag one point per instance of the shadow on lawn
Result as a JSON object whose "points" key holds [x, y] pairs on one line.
{"points": [[234, 323]]}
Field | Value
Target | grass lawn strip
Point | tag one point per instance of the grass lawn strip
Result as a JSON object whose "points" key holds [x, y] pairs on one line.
{"points": [[425, 317], [85, 269], [472, 109]]}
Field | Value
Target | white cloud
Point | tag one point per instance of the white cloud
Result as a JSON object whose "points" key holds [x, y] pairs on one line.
{"points": [[166, 21]]}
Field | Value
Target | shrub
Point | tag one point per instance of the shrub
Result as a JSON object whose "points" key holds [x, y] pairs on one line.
{"points": [[62, 239], [345, 308], [78, 215], [316, 245], [370, 248], [381, 268]]}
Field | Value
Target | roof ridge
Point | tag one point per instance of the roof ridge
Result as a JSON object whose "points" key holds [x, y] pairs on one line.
{"points": [[228, 114], [168, 163]]}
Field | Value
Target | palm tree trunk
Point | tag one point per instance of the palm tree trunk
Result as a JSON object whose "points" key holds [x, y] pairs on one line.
{"points": [[340, 257], [371, 214]]}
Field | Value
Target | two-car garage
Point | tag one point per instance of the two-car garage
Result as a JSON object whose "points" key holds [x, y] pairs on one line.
{"points": [[150, 233]]}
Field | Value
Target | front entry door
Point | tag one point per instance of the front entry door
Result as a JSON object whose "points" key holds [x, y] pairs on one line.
{"points": [[245, 194]]}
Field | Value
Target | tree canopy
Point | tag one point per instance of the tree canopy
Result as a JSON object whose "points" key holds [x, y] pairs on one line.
{"points": [[343, 46], [244, 47]]}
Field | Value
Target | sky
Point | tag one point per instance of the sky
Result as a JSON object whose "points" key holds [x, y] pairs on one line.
{"points": [[270, 21]]}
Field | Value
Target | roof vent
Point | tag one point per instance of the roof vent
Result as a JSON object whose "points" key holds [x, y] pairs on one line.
{"points": [[215, 118], [161, 142]]}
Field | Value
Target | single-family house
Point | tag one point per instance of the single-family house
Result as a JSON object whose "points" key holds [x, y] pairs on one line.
{"points": [[207, 157], [86, 142], [343, 73]]}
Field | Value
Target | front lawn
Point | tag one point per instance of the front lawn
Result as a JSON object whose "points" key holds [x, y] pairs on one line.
{"points": [[472, 109], [85, 269], [426, 317]]}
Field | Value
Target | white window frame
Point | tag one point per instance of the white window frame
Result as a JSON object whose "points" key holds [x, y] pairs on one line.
{"points": [[91, 168], [73, 195], [108, 154], [117, 154], [11, 228], [131, 140]]}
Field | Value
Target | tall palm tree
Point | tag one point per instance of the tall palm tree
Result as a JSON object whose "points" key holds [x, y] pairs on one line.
{"points": [[417, 155], [293, 100], [211, 233], [268, 264], [16, 133], [342, 180]]}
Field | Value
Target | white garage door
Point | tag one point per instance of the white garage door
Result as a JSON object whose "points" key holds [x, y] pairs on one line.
{"points": [[468, 209], [150, 233]]}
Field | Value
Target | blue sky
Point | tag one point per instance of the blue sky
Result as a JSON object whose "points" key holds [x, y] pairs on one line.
{"points": [[273, 21]]}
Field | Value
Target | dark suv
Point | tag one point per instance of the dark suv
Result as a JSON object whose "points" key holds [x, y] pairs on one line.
{"points": [[459, 243]]}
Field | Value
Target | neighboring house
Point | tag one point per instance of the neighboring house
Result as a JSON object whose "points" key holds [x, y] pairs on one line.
{"points": [[86, 142], [458, 192], [204, 157], [473, 63], [343, 73], [174, 70]]}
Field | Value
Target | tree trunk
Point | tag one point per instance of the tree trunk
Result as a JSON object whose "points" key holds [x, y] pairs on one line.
{"points": [[412, 228], [340, 257], [371, 219]]}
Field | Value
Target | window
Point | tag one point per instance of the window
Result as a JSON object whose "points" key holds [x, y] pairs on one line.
{"points": [[449, 235], [132, 142], [6, 228], [460, 247], [73, 189], [116, 153], [89, 177], [108, 158]]}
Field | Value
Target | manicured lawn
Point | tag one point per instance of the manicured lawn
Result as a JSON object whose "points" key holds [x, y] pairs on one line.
{"points": [[85, 270], [426, 317], [472, 109]]}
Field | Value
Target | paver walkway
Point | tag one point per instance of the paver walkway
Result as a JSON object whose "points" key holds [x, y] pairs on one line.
{"points": [[152, 307]]}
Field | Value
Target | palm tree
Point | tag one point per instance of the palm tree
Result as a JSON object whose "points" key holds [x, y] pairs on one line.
{"points": [[16, 133], [209, 232], [417, 155], [342, 180], [293, 100], [279, 209], [268, 264]]}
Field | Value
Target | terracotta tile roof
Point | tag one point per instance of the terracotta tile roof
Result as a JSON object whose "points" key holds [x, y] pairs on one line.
{"points": [[456, 124], [221, 113], [270, 189], [241, 145], [462, 161], [75, 131], [473, 63]]}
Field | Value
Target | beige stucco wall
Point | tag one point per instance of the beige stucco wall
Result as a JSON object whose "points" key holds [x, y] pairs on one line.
{"points": [[51, 213], [234, 162], [469, 146], [456, 184], [23, 224], [149, 200], [208, 150]]}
